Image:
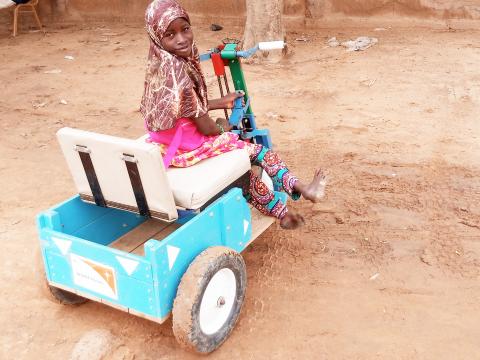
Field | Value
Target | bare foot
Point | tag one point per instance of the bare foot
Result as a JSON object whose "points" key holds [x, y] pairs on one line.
{"points": [[292, 221], [314, 191]]}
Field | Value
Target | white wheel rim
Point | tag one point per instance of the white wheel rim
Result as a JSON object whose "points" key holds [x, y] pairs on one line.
{"points": [[217, 301]]}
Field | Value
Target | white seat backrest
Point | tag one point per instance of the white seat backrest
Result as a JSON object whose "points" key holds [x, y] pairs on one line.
{"points": [[107, 154]]}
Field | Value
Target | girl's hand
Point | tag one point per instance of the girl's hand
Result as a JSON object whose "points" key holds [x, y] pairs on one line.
{"points": [[227, 102], [224, 124]]}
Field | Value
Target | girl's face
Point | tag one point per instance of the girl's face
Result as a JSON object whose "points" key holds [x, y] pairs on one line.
{"points": [[178, 39]]}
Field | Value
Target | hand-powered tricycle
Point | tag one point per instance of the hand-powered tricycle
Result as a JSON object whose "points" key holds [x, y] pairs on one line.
{"points": [[151, 241]]}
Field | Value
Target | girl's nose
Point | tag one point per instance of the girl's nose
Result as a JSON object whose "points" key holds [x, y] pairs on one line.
{"points": [[181, 39]]}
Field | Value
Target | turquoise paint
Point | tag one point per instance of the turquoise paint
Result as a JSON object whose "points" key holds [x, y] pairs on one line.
{"points": [[151, 286]]}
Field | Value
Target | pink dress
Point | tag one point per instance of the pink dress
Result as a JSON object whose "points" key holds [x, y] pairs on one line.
{"points": [[184, 146]]}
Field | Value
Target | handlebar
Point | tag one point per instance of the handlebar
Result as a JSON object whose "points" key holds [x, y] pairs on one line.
{"points": [[263, 46]]}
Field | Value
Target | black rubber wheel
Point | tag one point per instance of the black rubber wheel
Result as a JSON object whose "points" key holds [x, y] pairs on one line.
{"points": [[209, 299], [64, 297], [53, 293]]}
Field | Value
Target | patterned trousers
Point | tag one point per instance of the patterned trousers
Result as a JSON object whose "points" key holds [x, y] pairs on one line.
{"points": [[258, 194]]}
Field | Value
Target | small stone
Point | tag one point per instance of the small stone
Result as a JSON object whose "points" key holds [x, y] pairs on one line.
{"points": [[427, 257], [54, 71], [63, 102], [39, 105], [374, 276], [272, 116], [333, 42], [94, 345], [216, 27], [303, 38]]}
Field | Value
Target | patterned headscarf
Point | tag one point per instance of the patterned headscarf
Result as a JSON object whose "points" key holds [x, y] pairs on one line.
{"points": [[174, 86]]}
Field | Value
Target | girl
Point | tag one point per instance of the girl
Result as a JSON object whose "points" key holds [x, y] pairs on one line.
{"points": [[175, 110]]}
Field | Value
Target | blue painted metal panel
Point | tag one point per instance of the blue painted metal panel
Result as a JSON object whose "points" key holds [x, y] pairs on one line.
{"points": [[63, 245], [110, 226], [89, 221], [129, 292], [220, 224], [146, 284], [89, 267], [82, 213]]}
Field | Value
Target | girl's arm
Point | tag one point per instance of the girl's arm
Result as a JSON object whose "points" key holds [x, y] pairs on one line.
{"points": [[207, 126], [225, 102]]}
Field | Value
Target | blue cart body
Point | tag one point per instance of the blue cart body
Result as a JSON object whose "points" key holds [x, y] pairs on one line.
{"points": [[76, 236], [74, 241]]}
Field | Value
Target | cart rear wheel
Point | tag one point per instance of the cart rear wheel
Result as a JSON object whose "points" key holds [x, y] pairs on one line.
{"points": [[52, 293], [209, 299], [64, 297]]}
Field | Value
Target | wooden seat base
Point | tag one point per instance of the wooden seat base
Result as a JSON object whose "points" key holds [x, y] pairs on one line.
{"points": [[133, 241]]}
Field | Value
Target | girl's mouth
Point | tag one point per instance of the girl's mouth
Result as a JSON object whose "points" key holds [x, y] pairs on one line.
{"points": [[184, 51]]}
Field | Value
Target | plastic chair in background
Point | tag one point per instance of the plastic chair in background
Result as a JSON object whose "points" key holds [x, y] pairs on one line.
{"points": [[28, 7]]}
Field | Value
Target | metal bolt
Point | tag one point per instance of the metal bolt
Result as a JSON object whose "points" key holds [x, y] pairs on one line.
{"points": [[220, 301]]}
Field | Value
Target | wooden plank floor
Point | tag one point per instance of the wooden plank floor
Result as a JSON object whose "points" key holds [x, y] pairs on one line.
{"points": [[260, 223], [133, 241]]}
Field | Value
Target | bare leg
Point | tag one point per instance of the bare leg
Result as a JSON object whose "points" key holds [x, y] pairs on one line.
{"points": [[314, 191]]}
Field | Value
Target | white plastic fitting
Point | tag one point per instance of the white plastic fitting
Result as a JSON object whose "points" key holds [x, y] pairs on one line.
{"points": [[271, 45]]}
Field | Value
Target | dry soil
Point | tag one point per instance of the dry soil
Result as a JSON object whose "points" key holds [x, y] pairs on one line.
{"points": [[387, 267]]}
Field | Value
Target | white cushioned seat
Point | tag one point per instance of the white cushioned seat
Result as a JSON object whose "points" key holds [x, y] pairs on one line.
{"points": [[107, 156], [189, 188], [193, 186]]}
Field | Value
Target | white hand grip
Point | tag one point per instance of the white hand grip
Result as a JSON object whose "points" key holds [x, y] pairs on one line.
{"points": [[271, 45]]}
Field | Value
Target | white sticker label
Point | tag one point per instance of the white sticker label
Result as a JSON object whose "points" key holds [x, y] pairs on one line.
{"points": [[63, 245], [94, 276], [172, 252], [128, 264]]}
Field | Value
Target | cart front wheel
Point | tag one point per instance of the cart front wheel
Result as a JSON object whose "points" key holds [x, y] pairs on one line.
{"points": [[209, 299]]}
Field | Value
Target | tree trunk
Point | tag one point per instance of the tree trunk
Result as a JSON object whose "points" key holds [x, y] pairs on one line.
{"points": [[61, 7], [264, 23]]}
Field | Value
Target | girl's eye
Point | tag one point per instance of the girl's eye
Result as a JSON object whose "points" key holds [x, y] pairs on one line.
{"points": [[169, 35], [187, 28]]}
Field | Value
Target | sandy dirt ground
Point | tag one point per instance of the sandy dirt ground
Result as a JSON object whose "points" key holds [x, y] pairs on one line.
{"points": [[387, 267]]}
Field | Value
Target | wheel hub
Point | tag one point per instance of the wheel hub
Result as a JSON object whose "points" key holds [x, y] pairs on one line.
{"points": [[217, 301], [221, 301]]}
